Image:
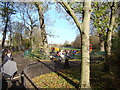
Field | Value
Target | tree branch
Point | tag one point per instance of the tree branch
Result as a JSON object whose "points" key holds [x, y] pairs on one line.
{"points": [[71, 13]]}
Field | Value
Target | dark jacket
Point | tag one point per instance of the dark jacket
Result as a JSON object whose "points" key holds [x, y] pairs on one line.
{"points": [[6, 58]]}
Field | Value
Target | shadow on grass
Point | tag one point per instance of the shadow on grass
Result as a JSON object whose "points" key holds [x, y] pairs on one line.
{"points": [[99, 79], [55, 69]]}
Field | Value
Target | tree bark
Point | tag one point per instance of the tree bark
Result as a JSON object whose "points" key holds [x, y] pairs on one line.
{"points": [[10, 38], [31, 38], [85, 72], [43, 32], [110, 29], [5, 32], [84, 29], [10, 35], [101, 42], [107, 67]]}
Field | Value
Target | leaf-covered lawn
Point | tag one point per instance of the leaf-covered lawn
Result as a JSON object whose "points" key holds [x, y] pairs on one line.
{"points": [[51, 80], [98, 78]]}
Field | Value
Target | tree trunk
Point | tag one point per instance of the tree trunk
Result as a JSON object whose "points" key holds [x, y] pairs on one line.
{"points": [[43, 32], [31, 38], [5, 32], [10, 36], [85, 72], [84, 29], [101, 42], [108, 43], [110, 29], [106, 67]]}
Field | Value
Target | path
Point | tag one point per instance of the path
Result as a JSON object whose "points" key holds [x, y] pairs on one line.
{"points": [[21, 63], [35, 70]]}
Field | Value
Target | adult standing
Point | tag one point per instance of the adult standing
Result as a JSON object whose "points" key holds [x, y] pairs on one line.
{"points": [[7, 56]]}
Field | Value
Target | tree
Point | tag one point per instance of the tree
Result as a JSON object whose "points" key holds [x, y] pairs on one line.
{"points": [[77, 42], [67, 44], [17, 36], [36, 37], [7, 11], [84, 28], [29, 18], [94, 40], [42, 28], [110, 28], [100, 17]]}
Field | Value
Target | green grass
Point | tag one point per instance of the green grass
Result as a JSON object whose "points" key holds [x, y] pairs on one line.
{"points": [[70, 49], [40, 56]]}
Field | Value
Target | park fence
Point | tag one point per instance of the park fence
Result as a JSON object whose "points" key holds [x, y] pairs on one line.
{"points": [[33, 70], [27, 52]]}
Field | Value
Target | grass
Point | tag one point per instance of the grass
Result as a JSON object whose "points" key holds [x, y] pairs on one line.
{"points": [[77, 56], [99, 80], [16, 52], [38, 56], [70, 49], [51, 80]]}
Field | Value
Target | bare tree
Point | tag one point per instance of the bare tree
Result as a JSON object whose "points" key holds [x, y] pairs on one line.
{"points": [[28, 17]]}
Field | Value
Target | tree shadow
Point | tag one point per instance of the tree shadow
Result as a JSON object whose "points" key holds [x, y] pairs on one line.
{"points": [[56, 69]]}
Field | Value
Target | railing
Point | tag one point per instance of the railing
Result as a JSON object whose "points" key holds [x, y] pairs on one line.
{"points": [[31, 71], [25, 78]]}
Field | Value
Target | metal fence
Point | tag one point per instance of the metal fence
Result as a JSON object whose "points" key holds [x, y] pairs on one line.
{"points": [[34, 70]]}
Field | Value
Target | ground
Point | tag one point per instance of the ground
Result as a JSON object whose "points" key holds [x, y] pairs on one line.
{"points": [[33, 70], [21, 63]]}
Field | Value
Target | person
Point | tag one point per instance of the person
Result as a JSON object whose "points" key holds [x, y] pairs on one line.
{"points": [[7, 56], [61, 54], [90, 48], [66, 65]]}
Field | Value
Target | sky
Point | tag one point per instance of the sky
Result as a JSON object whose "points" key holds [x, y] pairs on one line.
{"points": [[61, 28]]}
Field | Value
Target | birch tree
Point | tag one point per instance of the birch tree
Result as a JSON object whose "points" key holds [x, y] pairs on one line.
{"points": [[84, 29]]}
